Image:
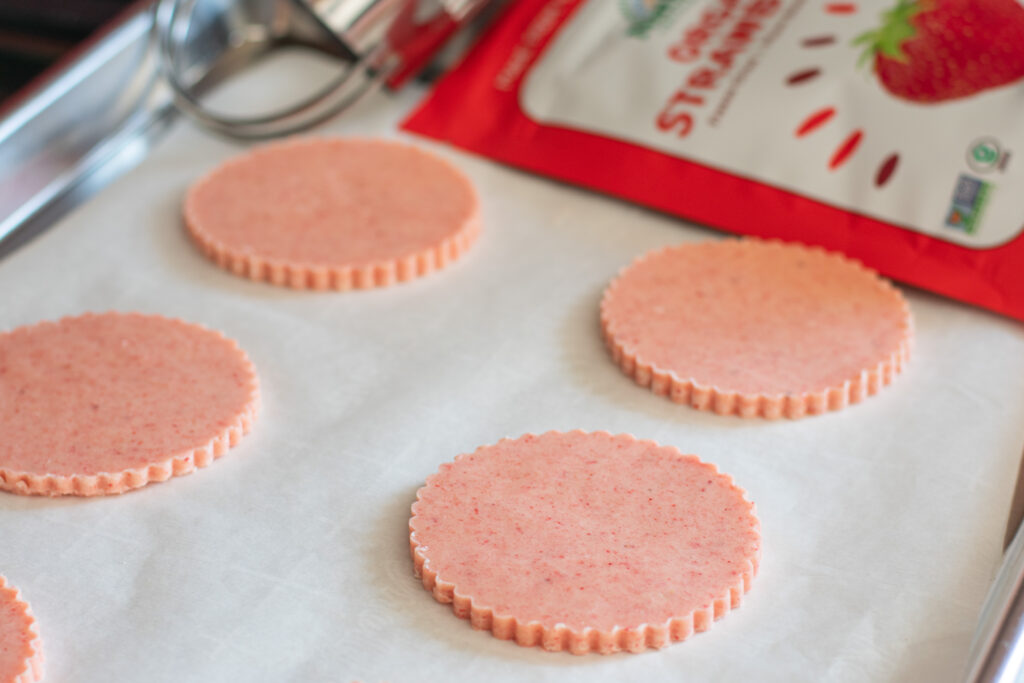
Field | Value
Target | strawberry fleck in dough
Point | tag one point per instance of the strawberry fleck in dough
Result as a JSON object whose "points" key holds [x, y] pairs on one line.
{"points": [[21, 653], [333, 213], [756, 328], [586, 542], [103, 403]]}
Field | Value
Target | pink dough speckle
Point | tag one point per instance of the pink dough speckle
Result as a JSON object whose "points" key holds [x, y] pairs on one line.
{"points": [[103, 403], [21, 655], [333, 213], [585, 541], [752, 327]]}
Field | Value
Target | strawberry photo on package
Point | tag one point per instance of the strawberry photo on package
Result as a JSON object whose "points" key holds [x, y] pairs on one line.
{"points": [[947, 49], [889, 130]]}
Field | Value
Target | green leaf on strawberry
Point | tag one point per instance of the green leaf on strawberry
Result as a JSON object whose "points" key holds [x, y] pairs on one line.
{"points": [[889, 38]]}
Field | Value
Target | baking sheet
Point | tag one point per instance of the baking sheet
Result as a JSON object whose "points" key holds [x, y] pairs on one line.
{"points": [[287, 560]]}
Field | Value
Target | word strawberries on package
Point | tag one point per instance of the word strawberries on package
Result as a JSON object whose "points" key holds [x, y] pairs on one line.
{"points": [[886, 131]]}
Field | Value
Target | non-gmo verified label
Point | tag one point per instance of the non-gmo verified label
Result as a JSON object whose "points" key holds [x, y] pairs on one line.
{"points": [[969, 199], [986, 154]]}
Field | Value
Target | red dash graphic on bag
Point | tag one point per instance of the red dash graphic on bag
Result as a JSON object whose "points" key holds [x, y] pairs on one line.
{"points": [[840, 8], [930, 51], [886, 169], [819, 118], [845, 150], [818, 41], [803, 76], [815, 121]]}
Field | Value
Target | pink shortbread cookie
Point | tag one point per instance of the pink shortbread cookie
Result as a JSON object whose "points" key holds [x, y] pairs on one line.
{"points": [[103, 403], [586, 542], [756, 328], [333, 213], [21, 649]]}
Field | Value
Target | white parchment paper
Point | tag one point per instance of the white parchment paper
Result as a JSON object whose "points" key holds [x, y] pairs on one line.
{"points": [[287, 560]]}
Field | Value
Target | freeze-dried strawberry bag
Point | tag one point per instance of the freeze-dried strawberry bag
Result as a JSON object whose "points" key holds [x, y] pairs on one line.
{"points": [[889, 132]]}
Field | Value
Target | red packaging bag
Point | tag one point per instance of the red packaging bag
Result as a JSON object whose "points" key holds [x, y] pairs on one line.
{"points": [[888, 132]]}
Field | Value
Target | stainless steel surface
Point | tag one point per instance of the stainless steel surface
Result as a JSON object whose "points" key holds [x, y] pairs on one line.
{"points": [[1016, 508], [89, 124], [92, 122], [997, 653], [199, 40], [373, 41], [359, 24]]}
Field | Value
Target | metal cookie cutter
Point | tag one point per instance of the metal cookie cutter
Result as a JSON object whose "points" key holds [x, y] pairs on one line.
{"points": [[379, 42]]}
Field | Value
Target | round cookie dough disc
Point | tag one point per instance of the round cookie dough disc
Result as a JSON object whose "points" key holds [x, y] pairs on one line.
{"points": [[584, 542], [750, 327], [333, 213], [21, 653], [104, 403]]}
